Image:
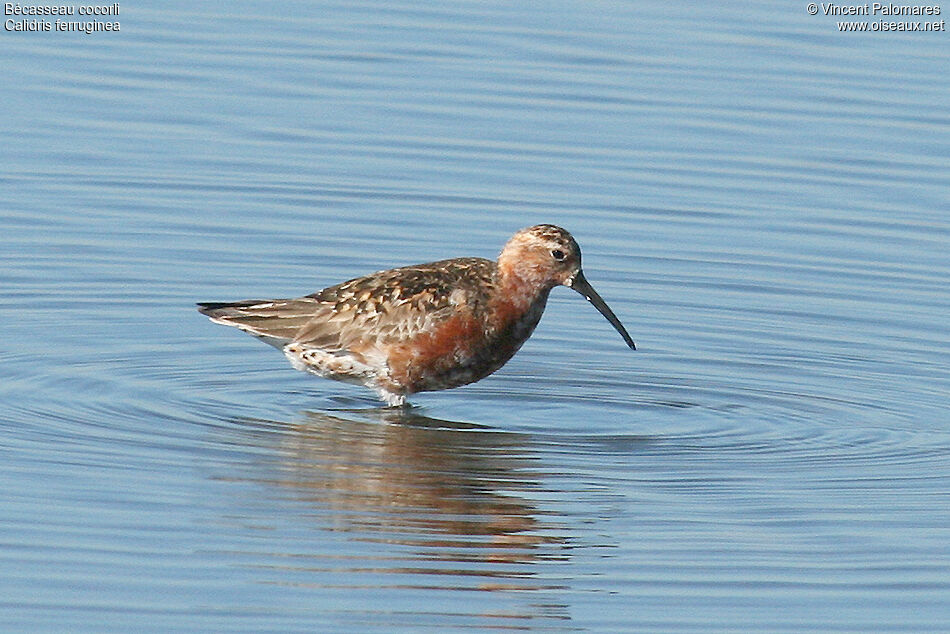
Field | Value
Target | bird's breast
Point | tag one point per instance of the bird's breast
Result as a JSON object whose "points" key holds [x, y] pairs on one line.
{"points": [[462, 349]]}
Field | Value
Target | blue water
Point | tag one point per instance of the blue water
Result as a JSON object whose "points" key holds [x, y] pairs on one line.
{"points": [[761, 199]]}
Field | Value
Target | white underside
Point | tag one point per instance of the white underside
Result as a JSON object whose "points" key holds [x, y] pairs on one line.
{"points": [[342, 367]]}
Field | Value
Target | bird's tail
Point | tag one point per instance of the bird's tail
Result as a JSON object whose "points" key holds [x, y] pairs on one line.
{"points": [[274, 321]]}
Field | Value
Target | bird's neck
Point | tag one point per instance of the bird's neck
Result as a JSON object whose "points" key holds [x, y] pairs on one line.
{"points": [[519, 297]]}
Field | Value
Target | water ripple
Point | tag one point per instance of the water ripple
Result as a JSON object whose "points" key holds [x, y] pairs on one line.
{"points": [[761, 201]]}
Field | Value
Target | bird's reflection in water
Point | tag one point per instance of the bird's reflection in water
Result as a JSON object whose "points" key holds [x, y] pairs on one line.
{"points": [[437, 491]]}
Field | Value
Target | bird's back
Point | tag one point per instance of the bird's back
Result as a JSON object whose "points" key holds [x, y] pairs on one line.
{"points": [[388, 307]]}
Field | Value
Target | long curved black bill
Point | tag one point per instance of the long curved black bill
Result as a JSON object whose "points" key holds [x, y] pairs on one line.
{"points": [[582, 286]]}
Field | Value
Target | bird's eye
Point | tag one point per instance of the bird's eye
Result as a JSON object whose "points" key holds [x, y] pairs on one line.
{"points": [[557, 254]]}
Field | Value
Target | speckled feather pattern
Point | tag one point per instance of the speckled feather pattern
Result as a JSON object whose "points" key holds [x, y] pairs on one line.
{"points": [[418, 328]]}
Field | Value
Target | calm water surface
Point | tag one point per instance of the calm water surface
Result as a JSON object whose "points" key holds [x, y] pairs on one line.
{"points": [[762, 200]]}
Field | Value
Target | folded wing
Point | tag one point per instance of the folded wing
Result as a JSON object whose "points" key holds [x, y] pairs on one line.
{"points": [[367, 312]]}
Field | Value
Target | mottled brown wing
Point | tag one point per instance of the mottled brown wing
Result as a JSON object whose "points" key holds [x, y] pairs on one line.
{"points": [[386, 307], [396, 305]]}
